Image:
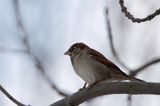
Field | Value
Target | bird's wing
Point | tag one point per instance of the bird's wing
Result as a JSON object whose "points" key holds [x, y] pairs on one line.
{"points": [[101, 58]]}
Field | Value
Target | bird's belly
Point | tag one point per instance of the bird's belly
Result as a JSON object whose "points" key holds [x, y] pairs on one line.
{"points": [[87, 72], [87, 75]]}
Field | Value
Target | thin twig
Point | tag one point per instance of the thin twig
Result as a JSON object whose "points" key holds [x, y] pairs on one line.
{"points": [[38, 64], [138, 20], [141, 68], [110, 36], [11, 97]]}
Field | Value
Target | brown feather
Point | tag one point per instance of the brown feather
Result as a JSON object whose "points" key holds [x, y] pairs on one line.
{"points": [[101, 58], [116, 72]]}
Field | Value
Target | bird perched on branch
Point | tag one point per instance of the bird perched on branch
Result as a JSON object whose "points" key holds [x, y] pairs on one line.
{"points": [[93, 67]]}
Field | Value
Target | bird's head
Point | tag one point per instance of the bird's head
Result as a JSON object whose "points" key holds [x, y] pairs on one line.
{"points": [[76, 49]]}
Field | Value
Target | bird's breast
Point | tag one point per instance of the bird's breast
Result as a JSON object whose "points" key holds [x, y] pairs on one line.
{"points": [[85, 69]]}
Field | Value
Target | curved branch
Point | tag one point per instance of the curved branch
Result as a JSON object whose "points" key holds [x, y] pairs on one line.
{"points": [[138, 20], [140, 69], [11, 97], [109, 88]]}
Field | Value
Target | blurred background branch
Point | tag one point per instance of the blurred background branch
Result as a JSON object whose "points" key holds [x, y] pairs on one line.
{"points": [[11, 97], [143, 67], [12, 50], [110, 37], [38, 64]]}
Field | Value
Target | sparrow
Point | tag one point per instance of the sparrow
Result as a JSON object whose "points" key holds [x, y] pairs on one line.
{"points": [[94, 67]]}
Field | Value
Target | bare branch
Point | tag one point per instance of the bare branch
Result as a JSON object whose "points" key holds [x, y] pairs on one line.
{"points": [[138, 20], [109, 88], [38, 64], [110, 36], [11, 97], [141, 68]]}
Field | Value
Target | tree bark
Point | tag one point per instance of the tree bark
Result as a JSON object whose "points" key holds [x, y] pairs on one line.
{"points": [[109, 88]]}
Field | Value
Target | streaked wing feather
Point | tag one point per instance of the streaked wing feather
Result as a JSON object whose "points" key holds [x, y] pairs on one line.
{"points": [[99, 57]]}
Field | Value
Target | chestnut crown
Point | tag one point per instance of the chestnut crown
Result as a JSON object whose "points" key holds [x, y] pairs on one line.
{"points": [[76, 47]]}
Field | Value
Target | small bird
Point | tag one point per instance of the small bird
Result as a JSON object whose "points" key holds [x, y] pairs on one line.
{"points": [[93, 67]]}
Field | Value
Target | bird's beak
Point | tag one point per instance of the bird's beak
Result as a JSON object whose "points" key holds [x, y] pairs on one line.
{"points": [[67, 53]]}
